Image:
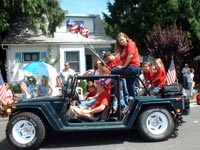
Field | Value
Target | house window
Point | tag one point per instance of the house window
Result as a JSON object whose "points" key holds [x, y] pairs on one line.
{"points": [[73, 59], [31, 56], [77, 22]]}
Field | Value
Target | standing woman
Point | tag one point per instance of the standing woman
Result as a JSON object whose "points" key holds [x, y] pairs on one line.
{"points": [[129, 61]]}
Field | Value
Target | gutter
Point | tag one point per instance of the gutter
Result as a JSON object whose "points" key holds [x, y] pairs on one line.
{"points": [[4, 46]]}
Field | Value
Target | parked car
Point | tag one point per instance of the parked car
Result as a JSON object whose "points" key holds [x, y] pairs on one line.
{"points": [[155, 117]]}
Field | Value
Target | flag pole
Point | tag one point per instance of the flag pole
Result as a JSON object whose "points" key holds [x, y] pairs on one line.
{"points": [[97, 55], [176, 74]]}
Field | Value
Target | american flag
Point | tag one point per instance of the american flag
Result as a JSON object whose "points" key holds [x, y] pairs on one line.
{"points": [[2, 89], [171, 73], [24, 87]]}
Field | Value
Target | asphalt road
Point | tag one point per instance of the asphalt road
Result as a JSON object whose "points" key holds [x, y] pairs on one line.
{"points": [[186, 138]]}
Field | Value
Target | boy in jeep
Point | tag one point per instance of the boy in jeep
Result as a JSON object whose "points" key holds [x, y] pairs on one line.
{"points": [[103, 99]]}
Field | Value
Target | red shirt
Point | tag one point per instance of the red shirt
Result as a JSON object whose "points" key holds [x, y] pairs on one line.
{"points": [[129, 49], [161, 78], [103, 99], [91, 94], [147, 75], [113, 63]]}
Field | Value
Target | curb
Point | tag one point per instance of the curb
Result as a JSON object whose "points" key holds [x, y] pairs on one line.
{"points": [[193, 100], [3, 119]]}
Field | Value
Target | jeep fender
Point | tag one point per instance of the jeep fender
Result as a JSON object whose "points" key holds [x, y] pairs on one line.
{"points": [[139, 106], [44, 109]]}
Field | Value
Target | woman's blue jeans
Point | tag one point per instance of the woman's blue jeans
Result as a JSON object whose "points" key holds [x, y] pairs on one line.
{"points": [[130, 73]]}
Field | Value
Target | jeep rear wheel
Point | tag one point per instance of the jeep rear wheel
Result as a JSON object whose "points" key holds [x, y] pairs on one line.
{"points": [[25, 131], [156, 124]]}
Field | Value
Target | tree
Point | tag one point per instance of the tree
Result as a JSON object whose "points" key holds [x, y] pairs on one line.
{"points": [[36, 13], [169, 43], [49, 57], [189, 19], [44, 15], [136, 18]]}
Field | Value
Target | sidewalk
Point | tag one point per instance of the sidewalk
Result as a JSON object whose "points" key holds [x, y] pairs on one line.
{"points": [[3, 119]]}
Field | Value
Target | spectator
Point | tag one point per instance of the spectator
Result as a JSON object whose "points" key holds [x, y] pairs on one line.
{"points": [[190, 80], [63, 75], [9, 96], [44, 89], [185, 71]]}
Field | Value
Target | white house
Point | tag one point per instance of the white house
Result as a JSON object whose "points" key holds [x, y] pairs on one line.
{"points": [[23, 47]]}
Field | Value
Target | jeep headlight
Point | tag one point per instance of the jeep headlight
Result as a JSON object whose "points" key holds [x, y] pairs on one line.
{"points": [[8, 110]]}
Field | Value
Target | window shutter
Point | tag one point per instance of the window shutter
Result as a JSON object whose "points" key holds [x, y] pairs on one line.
{"points": [[18, 57], [43, 56]]}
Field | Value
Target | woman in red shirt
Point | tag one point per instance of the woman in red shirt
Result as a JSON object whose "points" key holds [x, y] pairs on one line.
{"points": [[129, 61]]}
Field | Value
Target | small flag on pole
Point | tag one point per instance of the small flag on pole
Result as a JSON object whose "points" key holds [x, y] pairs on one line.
{"points": [[2, 89], [24, 87], [171, 73]]}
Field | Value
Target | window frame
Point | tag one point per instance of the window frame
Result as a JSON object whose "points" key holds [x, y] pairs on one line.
{"points": [[32, 55], [72, 62]]}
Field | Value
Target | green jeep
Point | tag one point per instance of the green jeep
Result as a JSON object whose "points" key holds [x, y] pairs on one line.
{"points": [[154, 117]]}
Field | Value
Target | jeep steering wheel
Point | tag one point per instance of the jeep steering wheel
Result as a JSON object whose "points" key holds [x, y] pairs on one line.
{"points": [[76, 98]]}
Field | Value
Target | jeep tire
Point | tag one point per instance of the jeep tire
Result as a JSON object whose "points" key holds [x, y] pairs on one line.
{"points": [[25, 131], [155, 124]]}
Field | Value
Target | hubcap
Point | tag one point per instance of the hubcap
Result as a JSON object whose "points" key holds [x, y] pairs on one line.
{"points": [[23, 131], [157, 123]]}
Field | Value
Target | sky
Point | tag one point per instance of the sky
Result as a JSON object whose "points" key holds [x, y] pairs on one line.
{"points": [[85, 7]]}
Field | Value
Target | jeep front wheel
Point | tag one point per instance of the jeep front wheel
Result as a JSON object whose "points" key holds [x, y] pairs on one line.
{"points": [[25, 131], [156, 124]]}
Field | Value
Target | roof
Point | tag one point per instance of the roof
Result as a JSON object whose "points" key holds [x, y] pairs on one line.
{"points": [[59, 38], [21, 33]]}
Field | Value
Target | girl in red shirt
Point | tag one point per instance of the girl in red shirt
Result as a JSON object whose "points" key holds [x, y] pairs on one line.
{"points": [[111, 60], [146, 76], [159, 78], [147, 72], [129, 61]]}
